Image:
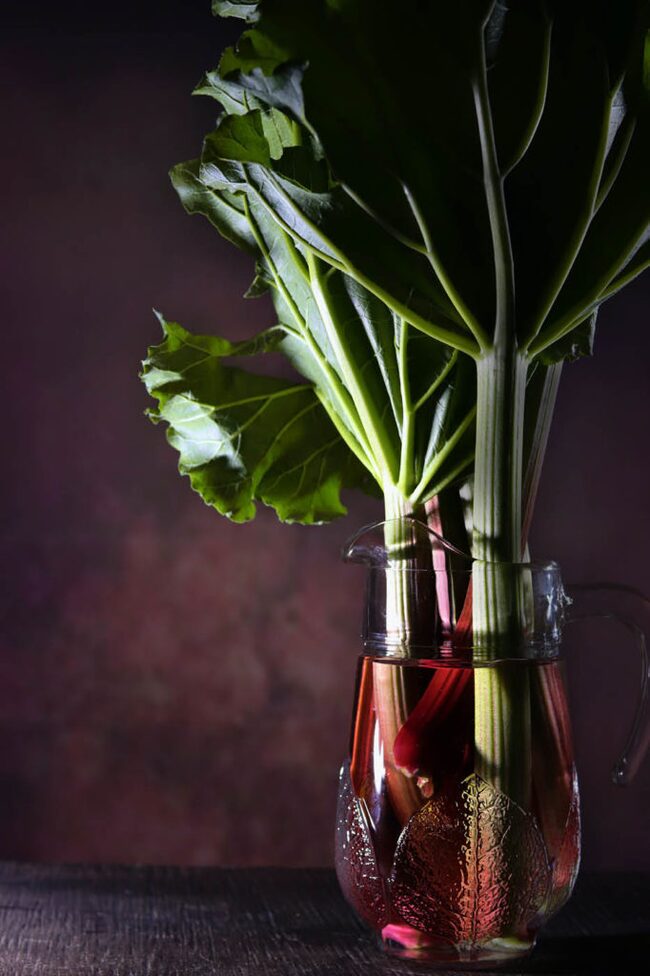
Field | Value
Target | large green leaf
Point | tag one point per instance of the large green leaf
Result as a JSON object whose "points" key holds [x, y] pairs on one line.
{"points": [[298, 193], [392, 129], [244, 437], [394, 104]]}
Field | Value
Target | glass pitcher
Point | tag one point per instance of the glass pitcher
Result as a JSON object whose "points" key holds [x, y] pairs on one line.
{"points": [[458, 823]]}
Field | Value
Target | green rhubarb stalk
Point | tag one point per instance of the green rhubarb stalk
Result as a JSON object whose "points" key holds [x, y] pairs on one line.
{"points": [[501, 694], [504, 500], [402, 622], [405, 553]]}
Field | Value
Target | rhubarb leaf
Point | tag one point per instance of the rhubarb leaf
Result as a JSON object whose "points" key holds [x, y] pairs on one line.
{"points": [[420, 236], [297, 191], [341, 336], [244, 437]]}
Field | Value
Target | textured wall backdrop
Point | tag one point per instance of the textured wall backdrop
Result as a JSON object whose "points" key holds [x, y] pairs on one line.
{"points": [[174, 688]]}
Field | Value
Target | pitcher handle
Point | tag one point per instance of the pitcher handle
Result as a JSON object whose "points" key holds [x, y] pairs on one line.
{"points": [[631, 609]]}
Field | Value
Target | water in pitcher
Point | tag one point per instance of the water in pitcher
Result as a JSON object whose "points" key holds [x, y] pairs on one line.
{"points": [[435, 850]]}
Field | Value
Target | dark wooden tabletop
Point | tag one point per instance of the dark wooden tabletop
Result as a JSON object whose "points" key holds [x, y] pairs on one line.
{"points": [[132, 921]]}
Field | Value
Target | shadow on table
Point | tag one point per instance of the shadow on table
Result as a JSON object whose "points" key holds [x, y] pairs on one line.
{"points": [[595, 955]]}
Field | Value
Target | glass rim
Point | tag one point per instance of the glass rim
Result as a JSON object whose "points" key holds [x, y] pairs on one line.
{"points": [[378, 557]]}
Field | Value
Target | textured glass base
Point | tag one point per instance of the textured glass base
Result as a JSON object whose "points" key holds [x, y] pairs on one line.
{"points": [[407, 943]]}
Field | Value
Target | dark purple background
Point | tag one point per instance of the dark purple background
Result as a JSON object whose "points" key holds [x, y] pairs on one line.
{"points": [[174, 688]]}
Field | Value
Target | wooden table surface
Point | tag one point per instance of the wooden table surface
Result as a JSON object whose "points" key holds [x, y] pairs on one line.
{"points": [[132, 921]]}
